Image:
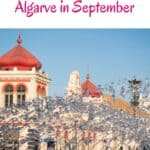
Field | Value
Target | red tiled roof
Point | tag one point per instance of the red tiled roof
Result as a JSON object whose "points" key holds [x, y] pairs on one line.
{"points": [[121, 104], [89, 89], [19, 57]]}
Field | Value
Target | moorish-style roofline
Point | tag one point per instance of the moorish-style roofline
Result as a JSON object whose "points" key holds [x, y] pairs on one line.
{"points": [[20, 58]]}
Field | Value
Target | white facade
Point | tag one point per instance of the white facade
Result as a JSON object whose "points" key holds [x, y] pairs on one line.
{"points": [[145, 104], [73, 89], [93, 100], [35, 83]]}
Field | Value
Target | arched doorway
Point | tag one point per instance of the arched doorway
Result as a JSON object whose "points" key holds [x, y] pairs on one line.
{"points": [[8, 96], [21, 94]]}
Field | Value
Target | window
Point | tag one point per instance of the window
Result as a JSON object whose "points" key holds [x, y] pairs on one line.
{"points": [[8, 96], [7, 69], [21, 90], [121, 148], [38, 91], [144, 148]]}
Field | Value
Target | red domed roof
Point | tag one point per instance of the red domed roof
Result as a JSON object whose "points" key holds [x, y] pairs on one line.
{"points": [[89, 89], [19, 57]]}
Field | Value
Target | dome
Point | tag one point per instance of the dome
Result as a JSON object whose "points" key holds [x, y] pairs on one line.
{"points": [[19, 57], [89, 89]]}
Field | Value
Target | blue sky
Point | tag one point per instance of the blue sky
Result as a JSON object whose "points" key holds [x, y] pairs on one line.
{"points": [[111, 54]]}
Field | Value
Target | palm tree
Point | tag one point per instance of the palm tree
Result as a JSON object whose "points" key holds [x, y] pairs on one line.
{"points": [[134, 87]]}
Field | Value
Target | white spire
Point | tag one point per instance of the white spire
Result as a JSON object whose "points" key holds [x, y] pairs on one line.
{"points": [[74, 86]]}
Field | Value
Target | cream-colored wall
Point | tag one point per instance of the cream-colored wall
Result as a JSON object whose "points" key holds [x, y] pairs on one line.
{"points": [[31, 78], [2, 104], [32, 89], [73, 88], [47, 88], [91, 99]]}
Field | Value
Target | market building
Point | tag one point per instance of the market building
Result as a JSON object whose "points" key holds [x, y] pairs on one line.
{"points": [[21, 77]]}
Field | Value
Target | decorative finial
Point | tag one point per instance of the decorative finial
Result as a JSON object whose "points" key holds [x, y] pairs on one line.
{"points": [[19, 40], [88, 76]]}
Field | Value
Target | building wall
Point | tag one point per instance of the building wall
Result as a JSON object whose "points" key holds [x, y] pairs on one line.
{"points": [[30, 79]]}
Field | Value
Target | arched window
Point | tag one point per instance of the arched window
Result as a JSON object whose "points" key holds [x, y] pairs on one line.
{"points": [[144, 148], [38, 91], [43, 92], [21, 94], [121, 148], [8, 96]]}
